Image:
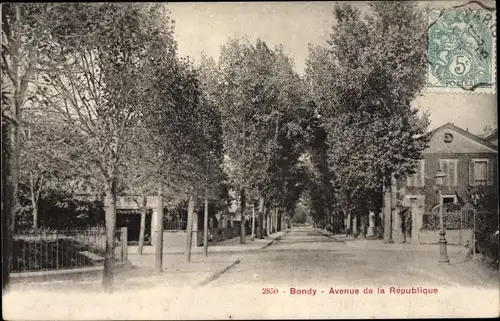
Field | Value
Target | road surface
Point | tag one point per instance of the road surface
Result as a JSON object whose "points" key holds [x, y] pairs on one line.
{"points": [[305, 274]]}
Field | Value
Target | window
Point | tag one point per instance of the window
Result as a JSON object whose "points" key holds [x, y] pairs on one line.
{"points": [[481, 172], [417, 179], [447, 199], [449, 167]]}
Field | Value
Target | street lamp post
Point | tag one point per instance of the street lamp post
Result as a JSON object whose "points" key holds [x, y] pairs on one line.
{"points": [[443, 253]]}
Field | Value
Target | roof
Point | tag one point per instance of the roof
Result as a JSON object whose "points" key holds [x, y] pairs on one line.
{"points": [[493, 135], [476, 138]]}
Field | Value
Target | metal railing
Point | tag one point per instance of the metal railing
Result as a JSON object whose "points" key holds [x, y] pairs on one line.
{"points": [[63, 249]]}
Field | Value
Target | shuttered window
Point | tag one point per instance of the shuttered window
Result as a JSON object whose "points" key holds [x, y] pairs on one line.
{"points": [[481, 172], [449, 168], [417, 179]]}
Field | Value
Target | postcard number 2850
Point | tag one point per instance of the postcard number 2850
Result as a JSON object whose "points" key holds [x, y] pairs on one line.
{"points": [[269, 291]]}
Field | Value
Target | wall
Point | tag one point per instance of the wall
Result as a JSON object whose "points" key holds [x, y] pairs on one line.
{"points": [[453, 237], [174, 239]]}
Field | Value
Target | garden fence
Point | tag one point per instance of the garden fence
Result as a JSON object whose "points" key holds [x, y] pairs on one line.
{"points": [[63, 249]]}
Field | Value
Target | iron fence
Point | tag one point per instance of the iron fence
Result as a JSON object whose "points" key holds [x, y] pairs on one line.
{"points": [[63, 249]]}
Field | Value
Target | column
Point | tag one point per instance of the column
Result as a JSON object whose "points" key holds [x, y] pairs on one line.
{"points": [[371, 224]]}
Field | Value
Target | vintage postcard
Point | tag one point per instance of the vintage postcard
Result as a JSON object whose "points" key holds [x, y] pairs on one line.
{"points": [[249, 160]]}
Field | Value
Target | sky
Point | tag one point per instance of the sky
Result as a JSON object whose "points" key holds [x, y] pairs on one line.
{"points": [[204, 27]]}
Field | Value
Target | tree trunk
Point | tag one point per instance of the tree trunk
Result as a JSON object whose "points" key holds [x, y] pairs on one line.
{"points": [[243, 238], [10, 174], [349, 224], [35, 216], [253, 221], [34, 204], [9, 196], [275, 220], [159, 229], [261, 217], [268, 222], [143, 224], [109, 254], [189, 228], [205, 229]]}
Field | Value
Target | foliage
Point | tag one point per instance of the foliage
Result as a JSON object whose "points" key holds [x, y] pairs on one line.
{"points": [[482, 198], [265, 120], [300, 214], [363, 84]]}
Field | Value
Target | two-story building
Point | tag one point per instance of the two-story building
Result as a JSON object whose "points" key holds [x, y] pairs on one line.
{"points": [[465, 158]]}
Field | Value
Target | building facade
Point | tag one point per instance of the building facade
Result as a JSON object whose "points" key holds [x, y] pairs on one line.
{"points": [[466, 159]]}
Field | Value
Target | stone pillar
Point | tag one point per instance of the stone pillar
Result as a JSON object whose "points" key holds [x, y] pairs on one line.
{"points": [[371, 224], [348, 224], [398, 233], [154, 228], [355, 225], [195, 229]]}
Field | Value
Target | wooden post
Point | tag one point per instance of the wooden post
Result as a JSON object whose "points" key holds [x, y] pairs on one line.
{"points": [[189, 228], [205, 229], [124, 244]]}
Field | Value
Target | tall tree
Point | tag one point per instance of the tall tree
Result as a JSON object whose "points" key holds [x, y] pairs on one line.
{"points": [[213, 151], [102, 85], [262, 99], [26, 30], [243, 98], [364, 83]]}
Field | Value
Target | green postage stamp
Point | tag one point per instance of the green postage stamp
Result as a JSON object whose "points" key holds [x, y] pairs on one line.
{"points": [[462, 50]]}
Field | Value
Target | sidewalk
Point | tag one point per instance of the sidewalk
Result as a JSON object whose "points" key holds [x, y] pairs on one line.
{"points": [[201, 270], [226, 246], [177, 272], [422, 259], [377, 244]]}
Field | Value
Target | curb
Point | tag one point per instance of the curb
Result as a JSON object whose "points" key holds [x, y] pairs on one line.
{"points": [[330, 236], [217, 274], [65, 274], [181, 252], [273, 240], [270, 243]]}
